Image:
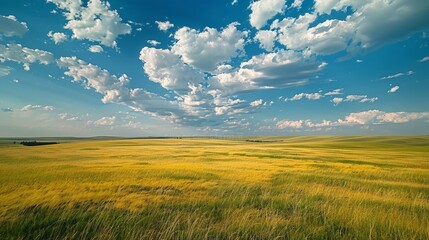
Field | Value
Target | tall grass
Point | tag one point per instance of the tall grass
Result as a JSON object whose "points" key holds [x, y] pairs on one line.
{"points": [[284, 188]]}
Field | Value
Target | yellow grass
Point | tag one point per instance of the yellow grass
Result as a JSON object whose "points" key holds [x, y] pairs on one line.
{"points": [[284, 188]]}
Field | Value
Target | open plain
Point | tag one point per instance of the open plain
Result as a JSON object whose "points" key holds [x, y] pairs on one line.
{"points": [[202, 188]]}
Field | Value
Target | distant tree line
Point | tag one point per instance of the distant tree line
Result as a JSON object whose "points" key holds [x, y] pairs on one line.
{"points": [[35, 143]]}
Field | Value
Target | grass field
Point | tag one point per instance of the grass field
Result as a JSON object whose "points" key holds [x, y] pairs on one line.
{"points": [[272, 188]]}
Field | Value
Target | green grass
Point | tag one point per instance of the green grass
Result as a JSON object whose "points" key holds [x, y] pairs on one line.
{"points": [[267, 188]]}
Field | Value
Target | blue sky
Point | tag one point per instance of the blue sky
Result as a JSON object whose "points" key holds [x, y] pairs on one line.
{"points": [[168, 68]]}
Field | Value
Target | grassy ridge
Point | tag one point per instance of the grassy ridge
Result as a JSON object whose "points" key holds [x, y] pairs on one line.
{"points": [[284, 188]]}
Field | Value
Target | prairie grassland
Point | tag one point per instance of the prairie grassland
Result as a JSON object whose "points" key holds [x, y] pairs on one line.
{"points": [[277, 188]]}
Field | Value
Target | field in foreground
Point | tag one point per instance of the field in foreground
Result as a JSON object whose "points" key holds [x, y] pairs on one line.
{"points": [[273, 188]]}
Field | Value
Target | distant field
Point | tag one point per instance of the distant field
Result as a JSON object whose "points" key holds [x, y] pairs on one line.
{"points": [[265, 188]]}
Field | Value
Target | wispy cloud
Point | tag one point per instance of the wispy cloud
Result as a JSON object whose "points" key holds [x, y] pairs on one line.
{"points": [[424, 59], [398, 75]]}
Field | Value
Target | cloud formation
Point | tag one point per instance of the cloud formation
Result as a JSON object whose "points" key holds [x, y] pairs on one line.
{"points": [[370, 24], [94, 22], [264, 10], [57, 37], [393, 89], [95, 49], [31, 107], [10, 26], [397, 75], [209, 48], [23, 55], [164, 26], [374, 117]]}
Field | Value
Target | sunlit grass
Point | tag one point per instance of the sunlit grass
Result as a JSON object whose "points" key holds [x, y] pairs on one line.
{"points": [[285, 188]]}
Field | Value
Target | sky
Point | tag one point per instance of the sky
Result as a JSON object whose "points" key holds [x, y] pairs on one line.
{"points": [[212, 68]]}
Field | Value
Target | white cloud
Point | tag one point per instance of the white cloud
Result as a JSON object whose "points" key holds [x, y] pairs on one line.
{"points": [[153, 42], [92, 76], [95, 22], [234, 2], [393, 89], [297, 4], [164, 26], [402, 117], [5, 70], [424, 59], [96, 49], [168, 69], [359, 61], [335, 92], [57, 37], [25, 56], [370, 24], [279, 69], [264, 10], [325, 38], [266, 38], [105, 121], [337, 100], [354, 98], [68, 117], [397, 75], [30, 107], [375, 117], [256, 103], [10, 26], [309, 96], [361, 117], [360, 98], [209, 48], [289, 124]]}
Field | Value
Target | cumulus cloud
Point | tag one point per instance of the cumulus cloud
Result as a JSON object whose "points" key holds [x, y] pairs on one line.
{"points": [[30, 107], [153, 42], [94, 22], [166, 68], [337, 100], [264, 10], [393, 89], [209, 48], [256, 103], [57, 37], [309, 96], [289, 124], [96, 49], [359, 118], [164, 26], [92, 76], [279, 69], [105, 121], [10, 26], [68, 117], [25, 56], [397, 75], [297, 4], [363, 29], [114, 89], [266, 38], [325, 38]]}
